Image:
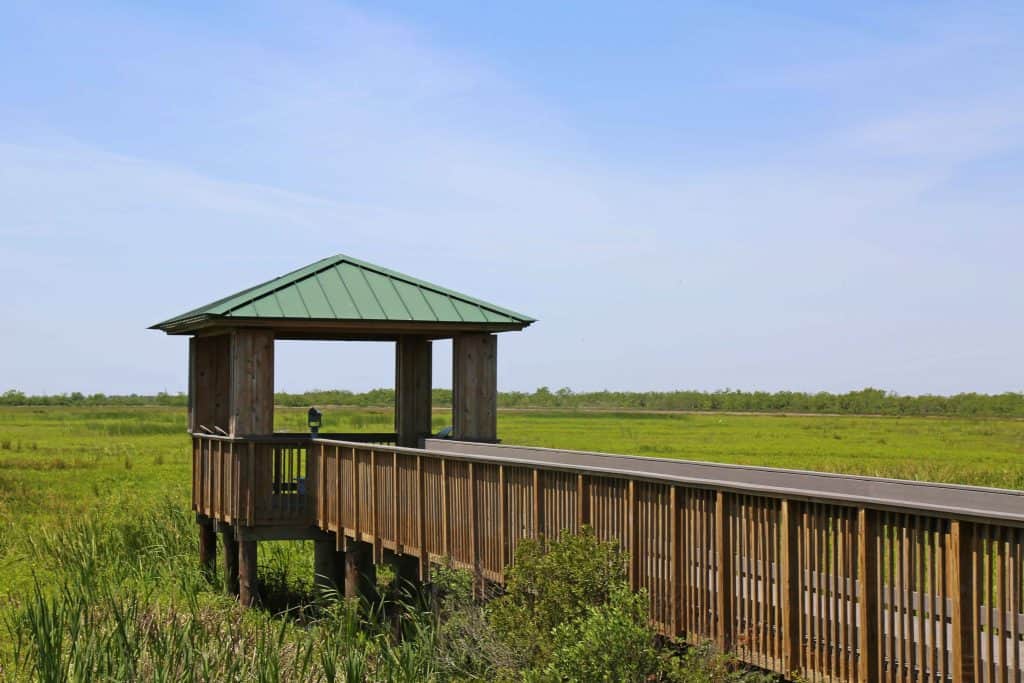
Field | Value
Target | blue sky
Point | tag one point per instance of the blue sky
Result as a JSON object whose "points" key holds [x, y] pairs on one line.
{"points": [[815, 196]]}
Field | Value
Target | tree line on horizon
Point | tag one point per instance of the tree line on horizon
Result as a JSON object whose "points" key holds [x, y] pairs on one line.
{"points": [[867, 401]]}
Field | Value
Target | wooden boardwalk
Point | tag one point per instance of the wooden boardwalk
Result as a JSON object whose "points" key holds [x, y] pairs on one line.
{"points": [[826, 577]]}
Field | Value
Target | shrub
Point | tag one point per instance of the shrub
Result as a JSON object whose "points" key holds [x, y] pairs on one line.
{"points": [[547, 589], [611, 642]]}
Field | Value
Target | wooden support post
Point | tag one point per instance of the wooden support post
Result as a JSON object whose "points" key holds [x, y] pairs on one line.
{"points": [[360, 574], [413, 398], [252, 382], [327, 566], [960, 571], [407, 571], [475, 387], [248, 588], [227, 535], [868, 560], [724, 584], [207, 546], [208, 376], [790, 589]]}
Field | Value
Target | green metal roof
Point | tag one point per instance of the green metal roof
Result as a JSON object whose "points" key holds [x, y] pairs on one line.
{"points": [[341, 288]]}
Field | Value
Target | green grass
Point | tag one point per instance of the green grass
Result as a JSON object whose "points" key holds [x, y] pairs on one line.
{"points": [[86, 491]]}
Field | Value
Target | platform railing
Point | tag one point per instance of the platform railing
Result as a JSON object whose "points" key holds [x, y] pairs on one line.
{"points": [[258, 480]]}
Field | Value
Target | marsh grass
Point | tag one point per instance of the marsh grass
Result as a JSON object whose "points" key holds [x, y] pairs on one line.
{"points": [[98, 572]]}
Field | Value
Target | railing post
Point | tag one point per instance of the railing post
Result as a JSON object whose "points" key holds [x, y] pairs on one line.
{"points": [[868, 560], [791, 588], [960, 571], [724, 575], [631, 544]]}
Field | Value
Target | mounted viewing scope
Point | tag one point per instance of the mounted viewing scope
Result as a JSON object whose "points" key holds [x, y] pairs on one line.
{"points": [[315, 417]]}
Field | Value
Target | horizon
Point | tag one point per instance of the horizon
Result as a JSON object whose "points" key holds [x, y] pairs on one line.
{"points": [[819, 198]]}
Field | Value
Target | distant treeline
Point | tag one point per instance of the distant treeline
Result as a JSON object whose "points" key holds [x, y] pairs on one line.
{"points": [[863, 402]]}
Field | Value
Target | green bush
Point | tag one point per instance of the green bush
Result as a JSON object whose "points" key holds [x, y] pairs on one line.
{"points": [[611, 642], [547, 589]]}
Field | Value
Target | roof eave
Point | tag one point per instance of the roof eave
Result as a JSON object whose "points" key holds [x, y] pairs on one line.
{"points": [[308, 328]]}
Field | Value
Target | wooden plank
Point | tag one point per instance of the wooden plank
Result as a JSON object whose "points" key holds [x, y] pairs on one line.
{"points": [[396, 520], [502, 522], [962, 589], [868, 557], [446, 541], [421, 522], [674, 559], [474, 532], [724, 575]]}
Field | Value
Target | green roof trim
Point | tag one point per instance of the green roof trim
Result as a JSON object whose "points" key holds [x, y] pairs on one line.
{"points": [[342, 288]]}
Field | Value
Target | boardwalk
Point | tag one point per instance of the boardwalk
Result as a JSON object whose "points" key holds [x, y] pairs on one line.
{"points": [[828, 577]]}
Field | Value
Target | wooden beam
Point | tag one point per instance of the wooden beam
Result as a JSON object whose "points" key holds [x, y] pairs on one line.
{"points": [[208, 382], [207, 547], [868, 558], [248, 588], [413, 398], [789, 535], [360, 574], [231, 557], [475, 387], [326, 569], [252, 382], [724, 583], [960, 572]]}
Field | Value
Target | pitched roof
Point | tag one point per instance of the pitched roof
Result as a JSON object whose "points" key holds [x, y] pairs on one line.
{"points": [[343, 289]]}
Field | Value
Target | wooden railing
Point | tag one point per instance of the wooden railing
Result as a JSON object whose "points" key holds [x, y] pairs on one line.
{"points": [[258, 481], [825, 577]]}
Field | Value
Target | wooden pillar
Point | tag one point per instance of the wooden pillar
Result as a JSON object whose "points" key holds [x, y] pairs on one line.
{"points": [[475, 387], [413, 361], [868, 557], [248, 590], [328, 565], [725, 584], [791, 587], [208, 371], [406, 568], [961, 567], [360, 574], [207, 546], [227, 535], [252, 382]]}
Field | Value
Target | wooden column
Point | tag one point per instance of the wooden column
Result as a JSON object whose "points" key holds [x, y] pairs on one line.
{"points": [[961, 566], [360, 574], [475, 387], [248, 591], [790, 586], [207, 546], [868, 558], [725, 583], [252, 382], [227, 535], [208, 376], [413, 361], [406, 568], [328, 566]]}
